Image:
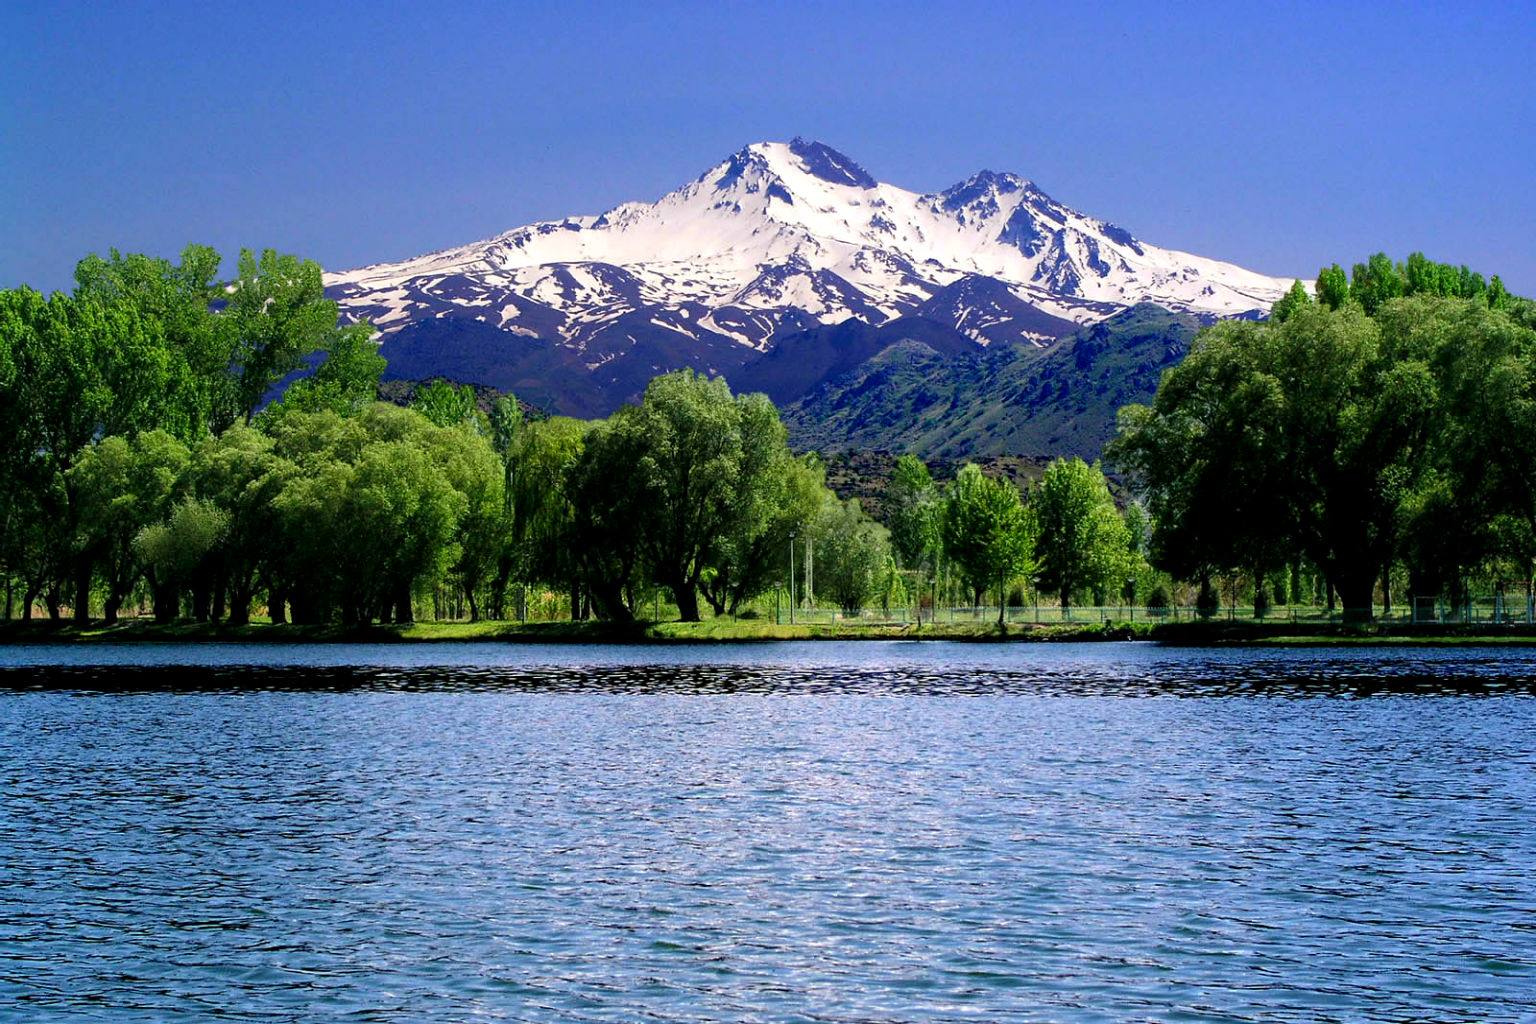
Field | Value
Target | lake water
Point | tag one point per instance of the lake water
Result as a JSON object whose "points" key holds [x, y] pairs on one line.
{"points": [[790, 832]]}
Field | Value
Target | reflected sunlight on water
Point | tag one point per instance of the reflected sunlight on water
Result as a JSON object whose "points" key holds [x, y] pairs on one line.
{"points": [[922, 833]]}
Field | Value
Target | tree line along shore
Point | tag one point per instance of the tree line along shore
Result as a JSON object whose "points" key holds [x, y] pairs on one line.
{"points": [[1373, 440]]}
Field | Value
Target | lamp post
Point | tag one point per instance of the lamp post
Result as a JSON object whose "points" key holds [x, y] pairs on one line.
{"points": [[791, 577]]}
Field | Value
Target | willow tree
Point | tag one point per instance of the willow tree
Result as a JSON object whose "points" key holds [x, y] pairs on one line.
{"points": [[703, 470], [1309, 436]]}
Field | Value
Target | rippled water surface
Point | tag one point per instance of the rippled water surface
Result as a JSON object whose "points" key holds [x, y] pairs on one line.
{"points": [[816, 832]]}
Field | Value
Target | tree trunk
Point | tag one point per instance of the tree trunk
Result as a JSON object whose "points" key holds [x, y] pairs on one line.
{"points": [[277, 600], [166, 598], [202, 597], [1356, 596], [405, 614], [83, 592], [608, 603], [687, 596], [240, 596], [499, 588]]}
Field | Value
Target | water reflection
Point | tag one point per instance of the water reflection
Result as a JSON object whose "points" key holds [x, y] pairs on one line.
{"points": [[512, 834], [1175, 673]]}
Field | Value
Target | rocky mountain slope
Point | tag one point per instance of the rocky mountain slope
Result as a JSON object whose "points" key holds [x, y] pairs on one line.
{"points": [[1004, 400]]}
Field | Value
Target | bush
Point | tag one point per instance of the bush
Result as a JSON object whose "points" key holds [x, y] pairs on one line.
{"points": [[1209, 602]]}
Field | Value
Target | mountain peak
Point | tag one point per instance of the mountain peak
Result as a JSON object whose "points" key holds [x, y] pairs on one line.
{"points": [[822, 161], [982, 185], [777, 238]]}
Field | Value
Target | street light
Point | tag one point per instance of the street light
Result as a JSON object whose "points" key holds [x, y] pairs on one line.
{"points": [[791, 577]]}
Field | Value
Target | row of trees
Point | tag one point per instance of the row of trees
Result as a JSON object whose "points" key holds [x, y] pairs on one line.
{"points": [[1381, 425], [141, 347], [144, 460], [1384, 429], [1068, 538]]}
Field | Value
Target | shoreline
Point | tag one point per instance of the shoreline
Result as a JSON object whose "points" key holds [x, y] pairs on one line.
{"points": [[748, 631]]}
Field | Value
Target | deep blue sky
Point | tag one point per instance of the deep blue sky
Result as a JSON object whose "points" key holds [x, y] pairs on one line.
{"points": [[1279, 139]]}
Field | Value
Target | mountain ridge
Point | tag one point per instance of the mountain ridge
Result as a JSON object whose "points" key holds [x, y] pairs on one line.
{"points": [[777, 240]]}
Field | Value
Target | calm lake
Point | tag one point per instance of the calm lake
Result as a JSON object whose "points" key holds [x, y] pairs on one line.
{"points": [[791, 832]]}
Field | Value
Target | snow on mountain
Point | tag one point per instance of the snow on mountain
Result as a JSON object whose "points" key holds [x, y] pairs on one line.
{"points": [[779, 238]]}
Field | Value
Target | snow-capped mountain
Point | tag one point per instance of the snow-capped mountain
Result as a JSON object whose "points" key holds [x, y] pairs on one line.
{"points": [[777, 239]]}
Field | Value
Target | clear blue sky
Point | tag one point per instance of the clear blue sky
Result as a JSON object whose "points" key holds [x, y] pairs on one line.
{"points": [[1279, 137]]}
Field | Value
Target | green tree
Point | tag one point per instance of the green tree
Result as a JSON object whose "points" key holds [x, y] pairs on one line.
{"points": [[608, 515], [121, 487], [348, 380], [1332, 286], [540, 460], [1485, 462], [851, 554], [275, 315], [483, 533], [1291, 301], [178, 298], [776, 495], [910, 500], [988, 534], [1082, 539], [240, 473], [1375, 281], [1308, 436], [175, 553], [701, 467], [445, 404]]}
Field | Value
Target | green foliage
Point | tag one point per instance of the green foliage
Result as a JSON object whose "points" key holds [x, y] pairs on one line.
{"points": [[120, 487], [1347, 440], [1375, 281], [988, 534], [276, 313], [176, 553], [913, 510], [851, 555], [702, 466], [240, 472], [347, 381], [1083, 543], [1332, 286], [540, 461], [444, 404], [1290, 302], [178, 298]]}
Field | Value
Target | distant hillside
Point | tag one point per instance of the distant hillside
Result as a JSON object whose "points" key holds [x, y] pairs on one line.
{"points": [[1009, 399]]}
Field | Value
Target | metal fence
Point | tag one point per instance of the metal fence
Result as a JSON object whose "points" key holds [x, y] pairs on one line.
{"points": [[1486, 610]]}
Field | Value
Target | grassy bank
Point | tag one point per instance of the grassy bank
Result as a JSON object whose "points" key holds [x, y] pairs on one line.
{"points": [[726, 630], [722, 630]]}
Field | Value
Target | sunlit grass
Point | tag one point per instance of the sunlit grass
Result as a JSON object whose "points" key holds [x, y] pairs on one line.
{"points": [[728, 629]]}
